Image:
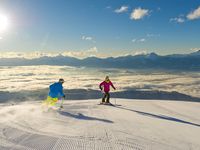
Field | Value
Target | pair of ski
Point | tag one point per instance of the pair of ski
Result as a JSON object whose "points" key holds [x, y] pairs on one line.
{"points": [[107, 104]]}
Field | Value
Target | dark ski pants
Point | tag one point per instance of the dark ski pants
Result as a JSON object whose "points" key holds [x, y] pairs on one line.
{"points": [[106, 97]]}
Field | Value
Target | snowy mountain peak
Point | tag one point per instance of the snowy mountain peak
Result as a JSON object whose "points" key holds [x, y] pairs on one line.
{"points": [[197, 53], [152, 55]]}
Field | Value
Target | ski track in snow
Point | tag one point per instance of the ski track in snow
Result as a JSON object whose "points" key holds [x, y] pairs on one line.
{"points": [[84, 125]]}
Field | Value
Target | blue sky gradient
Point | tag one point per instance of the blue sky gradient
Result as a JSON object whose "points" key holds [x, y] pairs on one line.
{"points": [[78, 25]]}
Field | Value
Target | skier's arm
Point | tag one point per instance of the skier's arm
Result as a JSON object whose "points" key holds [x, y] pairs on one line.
{"points": [[100, 85], [112, 85], [51, 86], [61, 91], [62, 94]]}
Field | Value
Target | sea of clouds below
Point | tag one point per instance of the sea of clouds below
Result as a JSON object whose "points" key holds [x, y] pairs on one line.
{"points": [[30, 78]]}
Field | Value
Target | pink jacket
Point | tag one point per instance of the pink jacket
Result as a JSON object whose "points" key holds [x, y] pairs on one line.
{"points": [[106, 86]]}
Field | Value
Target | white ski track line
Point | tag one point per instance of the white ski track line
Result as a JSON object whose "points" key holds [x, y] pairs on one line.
{"points": [[14, 146], [83, 142], [108, 134], [122, 143], [57, 144], [71, 144], [30, 140], [101, 141], [117, 142], [4, 144], [89, 140]]}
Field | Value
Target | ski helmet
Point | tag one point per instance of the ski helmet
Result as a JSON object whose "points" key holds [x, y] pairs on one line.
{"points": [[61, 80]]}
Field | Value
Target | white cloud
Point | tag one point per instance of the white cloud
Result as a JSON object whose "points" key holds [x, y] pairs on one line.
{"points": [[108, 7], [139, 13], [142, 40], [138, 40], [143, 52], [28, 55], [122, 9], [153, 35], [1, 38], [195, 49], [177, 20], [134, 40], [93, 49], [195, 14], [87, 38]]}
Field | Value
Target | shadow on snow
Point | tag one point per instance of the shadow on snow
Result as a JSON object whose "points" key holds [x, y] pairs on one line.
{"points": [[83, 117], [160, 116]]}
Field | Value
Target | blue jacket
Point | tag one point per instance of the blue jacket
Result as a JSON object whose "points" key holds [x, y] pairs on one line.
{"points": [[56, 90]]}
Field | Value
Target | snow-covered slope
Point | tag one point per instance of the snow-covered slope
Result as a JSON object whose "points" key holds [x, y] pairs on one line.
{"points": [[84, 125]]}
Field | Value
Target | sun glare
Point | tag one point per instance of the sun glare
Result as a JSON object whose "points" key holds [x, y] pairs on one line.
{"points": [[3, 22]]}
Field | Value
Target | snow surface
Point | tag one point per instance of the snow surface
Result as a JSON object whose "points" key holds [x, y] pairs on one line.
{"points": [[84, 125]]}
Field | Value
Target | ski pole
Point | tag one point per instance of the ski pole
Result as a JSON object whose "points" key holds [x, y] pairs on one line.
{"points": [[61, 104], [102, 93]]}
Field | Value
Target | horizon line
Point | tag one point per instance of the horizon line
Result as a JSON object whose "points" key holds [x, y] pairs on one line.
{"points": [[77, 54]]}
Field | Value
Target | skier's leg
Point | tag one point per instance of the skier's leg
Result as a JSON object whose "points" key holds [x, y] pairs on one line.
{"points": [[108, 97], [48, 100], [54, 101], [47, 103], [104, 97]]}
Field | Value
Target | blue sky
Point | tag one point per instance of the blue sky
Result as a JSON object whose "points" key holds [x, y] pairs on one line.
{"points": [[101, 27]]}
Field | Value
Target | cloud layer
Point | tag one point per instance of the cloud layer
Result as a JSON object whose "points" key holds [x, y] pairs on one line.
{"points": [[93, 51], [40, 77]]}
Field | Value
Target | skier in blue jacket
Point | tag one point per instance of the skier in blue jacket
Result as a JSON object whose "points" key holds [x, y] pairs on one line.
{"points": [[55, 93], [56, 89]]}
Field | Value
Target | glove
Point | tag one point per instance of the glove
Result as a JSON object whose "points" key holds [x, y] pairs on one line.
{"points": [[100, 88]]}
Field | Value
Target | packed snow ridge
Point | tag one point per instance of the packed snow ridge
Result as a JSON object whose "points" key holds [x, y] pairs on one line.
{"points": [[85, 125]]}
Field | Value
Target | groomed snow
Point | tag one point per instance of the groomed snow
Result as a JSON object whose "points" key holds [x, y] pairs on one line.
{"points": [[84, 125]]}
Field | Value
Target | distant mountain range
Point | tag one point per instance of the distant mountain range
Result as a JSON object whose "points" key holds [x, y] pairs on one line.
{"points": [[144, 61]]}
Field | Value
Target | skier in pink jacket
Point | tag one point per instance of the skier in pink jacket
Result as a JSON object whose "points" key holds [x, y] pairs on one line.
{"points": [[105, 85]]}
